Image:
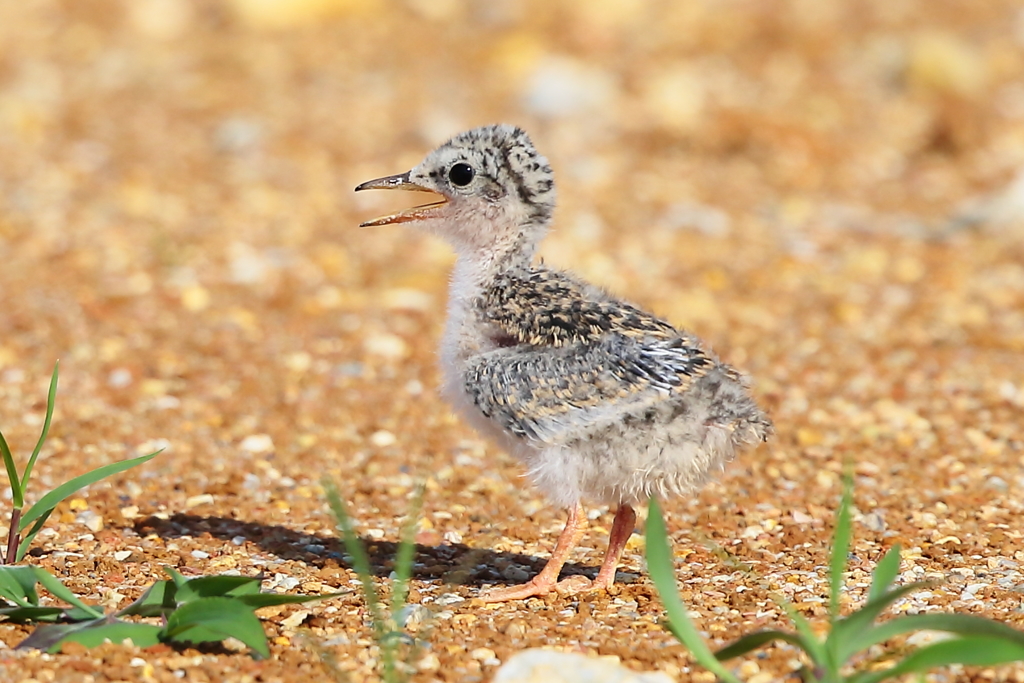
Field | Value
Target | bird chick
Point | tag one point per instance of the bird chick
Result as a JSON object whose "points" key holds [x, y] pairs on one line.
{"points": [[599, 399]]}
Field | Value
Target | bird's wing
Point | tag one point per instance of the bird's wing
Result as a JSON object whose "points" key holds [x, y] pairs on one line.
{"points": [[553, 395], [547, 308]]}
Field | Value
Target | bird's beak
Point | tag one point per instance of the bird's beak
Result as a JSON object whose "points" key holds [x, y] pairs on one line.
{"points": [[401, 182]]}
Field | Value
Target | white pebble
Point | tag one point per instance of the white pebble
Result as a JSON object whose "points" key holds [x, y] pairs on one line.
{"points": [[257, 443], [382, 438]]}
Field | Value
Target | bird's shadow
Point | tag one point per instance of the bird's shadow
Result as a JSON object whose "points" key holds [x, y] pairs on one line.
{"points": [[455, 563]]}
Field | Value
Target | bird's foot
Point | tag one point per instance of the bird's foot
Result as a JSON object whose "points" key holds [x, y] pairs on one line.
{"points": [[536, 588]]}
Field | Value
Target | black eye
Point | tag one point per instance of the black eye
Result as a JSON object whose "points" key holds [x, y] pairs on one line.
{"points": [[461, 174]]}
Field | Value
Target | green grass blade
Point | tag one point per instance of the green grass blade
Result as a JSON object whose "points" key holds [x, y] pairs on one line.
{"points": [[158, 600], [47, 637], [660, 567], [885, 573], [18, 585], [221, 586], [752, 641], [840, 547], [960, 624], [59, 590], [29, 536], [846, 632], [406, 552], [271, 599], [26, 615], [141, 635], [17, 491], [355, 549], [51, 398], [214, 619], [969, 651], [49, 501], [99, 631], [176, 576], [812, 645]]}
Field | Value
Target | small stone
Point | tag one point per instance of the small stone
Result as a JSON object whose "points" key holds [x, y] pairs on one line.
{"points": [[515, 629], [482, 653], [561, 86], [801, 517], [92, 521], [515, 573], [195, 298], [257, 443], [874, 521], [428, 663], [412, 615], [407, 299], [386, 345], [383, 438], [996, 483], [449, 599], [536, 665], [119, 378], [196, 501], [122, 555], [200, 555], [296, 619]]}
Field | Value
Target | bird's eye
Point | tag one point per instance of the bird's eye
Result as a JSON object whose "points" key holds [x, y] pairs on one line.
{"points": [[461, 174]]}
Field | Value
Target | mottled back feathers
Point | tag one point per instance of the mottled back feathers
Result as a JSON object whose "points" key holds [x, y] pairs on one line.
{"points": [[581, 359]]}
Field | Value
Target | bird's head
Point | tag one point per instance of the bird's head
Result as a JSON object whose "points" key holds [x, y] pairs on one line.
{"points": [[495, 191]]}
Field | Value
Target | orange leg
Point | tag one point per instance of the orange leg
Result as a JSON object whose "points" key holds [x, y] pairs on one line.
{"points": [[622, 528], [547, 580]]}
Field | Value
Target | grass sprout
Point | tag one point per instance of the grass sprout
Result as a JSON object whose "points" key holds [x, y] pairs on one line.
{"points": [[198, 610], [838, 656], [384, 617], [25, 524]]}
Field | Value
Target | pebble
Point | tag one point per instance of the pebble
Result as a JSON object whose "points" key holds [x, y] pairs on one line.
{"points": [[196, 501], [411, 616], [561, 86], [449, 599], [549, 666], [429, 663], [874, 521], [386, 345], [257, 443], [382, 438], [92, 521]]}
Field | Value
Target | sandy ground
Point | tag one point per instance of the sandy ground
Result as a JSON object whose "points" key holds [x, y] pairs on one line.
{"points": [[824, 190]]}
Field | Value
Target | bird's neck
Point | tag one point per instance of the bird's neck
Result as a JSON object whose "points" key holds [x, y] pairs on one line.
{"points": [[476, 268]]}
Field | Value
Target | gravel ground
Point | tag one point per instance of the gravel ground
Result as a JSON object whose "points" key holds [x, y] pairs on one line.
{"points": [[830, 192]]}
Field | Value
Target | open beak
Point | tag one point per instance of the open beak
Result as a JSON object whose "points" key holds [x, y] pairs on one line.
{"points": [[401, 182]]}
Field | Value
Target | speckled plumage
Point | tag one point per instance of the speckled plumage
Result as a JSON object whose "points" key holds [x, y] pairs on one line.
{"points": [[606, 402], [601, 400]]}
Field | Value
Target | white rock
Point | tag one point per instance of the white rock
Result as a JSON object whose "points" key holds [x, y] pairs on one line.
{"points": [[92, 521], [196, 501], [383, 438], [257, 443], [561, 86], [548, 666]]}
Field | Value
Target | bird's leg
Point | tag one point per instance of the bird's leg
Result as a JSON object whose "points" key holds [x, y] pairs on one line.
{"points": [[622, 528], [547, 580]]}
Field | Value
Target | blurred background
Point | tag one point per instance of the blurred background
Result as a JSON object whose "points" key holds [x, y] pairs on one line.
{"points": [[817, 186], [829, 191], [824, 189]]}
